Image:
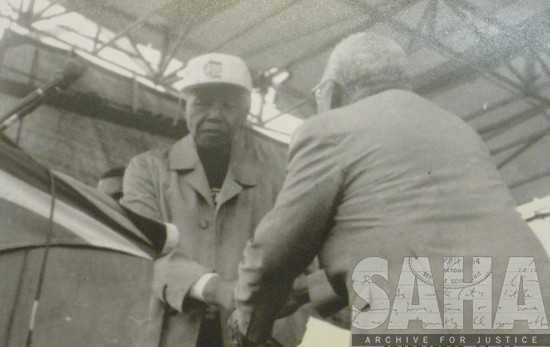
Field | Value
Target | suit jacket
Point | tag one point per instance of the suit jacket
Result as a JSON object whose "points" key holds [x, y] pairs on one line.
{"points": [[390, 176], [170, 185]]}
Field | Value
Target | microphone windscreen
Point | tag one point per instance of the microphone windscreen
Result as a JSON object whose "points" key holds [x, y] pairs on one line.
{"points": [[71, 71]]}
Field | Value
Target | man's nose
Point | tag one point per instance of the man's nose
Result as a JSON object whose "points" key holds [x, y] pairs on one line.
{"points": [[215, 112]]}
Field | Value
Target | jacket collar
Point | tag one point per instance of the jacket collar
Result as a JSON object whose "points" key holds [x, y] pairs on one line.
{"points": [[242, 167], [183, 155]]}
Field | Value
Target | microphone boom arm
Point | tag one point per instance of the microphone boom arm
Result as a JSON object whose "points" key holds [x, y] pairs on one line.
{"points": [[71, 71]]}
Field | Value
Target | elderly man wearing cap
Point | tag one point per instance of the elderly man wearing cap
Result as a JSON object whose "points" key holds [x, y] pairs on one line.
{"points": [[215, 184], [384, 175]]}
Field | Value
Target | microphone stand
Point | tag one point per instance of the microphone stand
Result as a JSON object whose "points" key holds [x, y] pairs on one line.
{"points": [[72, 71], [9, 118]]}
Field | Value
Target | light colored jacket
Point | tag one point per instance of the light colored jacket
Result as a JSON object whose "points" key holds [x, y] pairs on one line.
{"points": [[390, 176], [170, 185]]}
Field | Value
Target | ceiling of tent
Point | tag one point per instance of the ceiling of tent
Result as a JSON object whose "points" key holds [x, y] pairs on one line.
{"points": [[487, 61]]}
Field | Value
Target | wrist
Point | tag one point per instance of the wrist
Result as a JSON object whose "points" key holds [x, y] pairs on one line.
{"points": [[211, 288]]}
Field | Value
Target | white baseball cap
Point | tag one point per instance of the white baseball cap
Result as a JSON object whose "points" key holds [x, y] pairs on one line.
{"points": [[216, 68]]}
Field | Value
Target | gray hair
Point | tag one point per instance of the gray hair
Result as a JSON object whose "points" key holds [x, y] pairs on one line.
{"points": [[368, 63]]}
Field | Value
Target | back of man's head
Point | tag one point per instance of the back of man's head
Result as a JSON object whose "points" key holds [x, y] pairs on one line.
{"points": [[367, 63]]}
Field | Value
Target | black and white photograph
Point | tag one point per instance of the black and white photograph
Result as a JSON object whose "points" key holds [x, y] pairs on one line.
{"points": [[295, 173]]}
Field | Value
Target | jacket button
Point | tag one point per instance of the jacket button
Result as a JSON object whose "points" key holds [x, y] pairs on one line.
{"points": [[203, 224]]}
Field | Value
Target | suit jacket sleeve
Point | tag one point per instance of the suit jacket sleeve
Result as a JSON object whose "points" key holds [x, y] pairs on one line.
{"points": [[322, 296], [173, 275], [140, 189], [289, 236]]}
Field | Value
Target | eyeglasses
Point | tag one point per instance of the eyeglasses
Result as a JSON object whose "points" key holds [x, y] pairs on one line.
{"points": [[321, 89], [325, 96]]}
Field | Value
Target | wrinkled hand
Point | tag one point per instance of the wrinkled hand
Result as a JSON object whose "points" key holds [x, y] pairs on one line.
{"points": [[239, 340], [219, 291], [298, 297]]}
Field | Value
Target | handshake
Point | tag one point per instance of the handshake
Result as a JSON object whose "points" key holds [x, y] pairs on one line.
{"points": [[219, 292], [240, 340]]}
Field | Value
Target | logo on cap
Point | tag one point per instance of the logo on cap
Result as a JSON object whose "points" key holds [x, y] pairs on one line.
{"points": [[213, 69]]}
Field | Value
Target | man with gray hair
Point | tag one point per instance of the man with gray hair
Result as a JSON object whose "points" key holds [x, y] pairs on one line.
{"points": [[383, 175]]}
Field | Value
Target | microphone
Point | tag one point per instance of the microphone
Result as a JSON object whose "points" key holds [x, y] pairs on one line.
{"points": [[71, 71]]}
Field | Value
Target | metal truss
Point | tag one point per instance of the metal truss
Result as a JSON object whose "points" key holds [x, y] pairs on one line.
{"points": [[513, 58], [307, 99], [156, 74]]}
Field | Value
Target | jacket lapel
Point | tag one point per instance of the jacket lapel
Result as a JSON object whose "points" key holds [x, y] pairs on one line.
{"points": [[241, 173], [229, 189], [183, 158]]}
